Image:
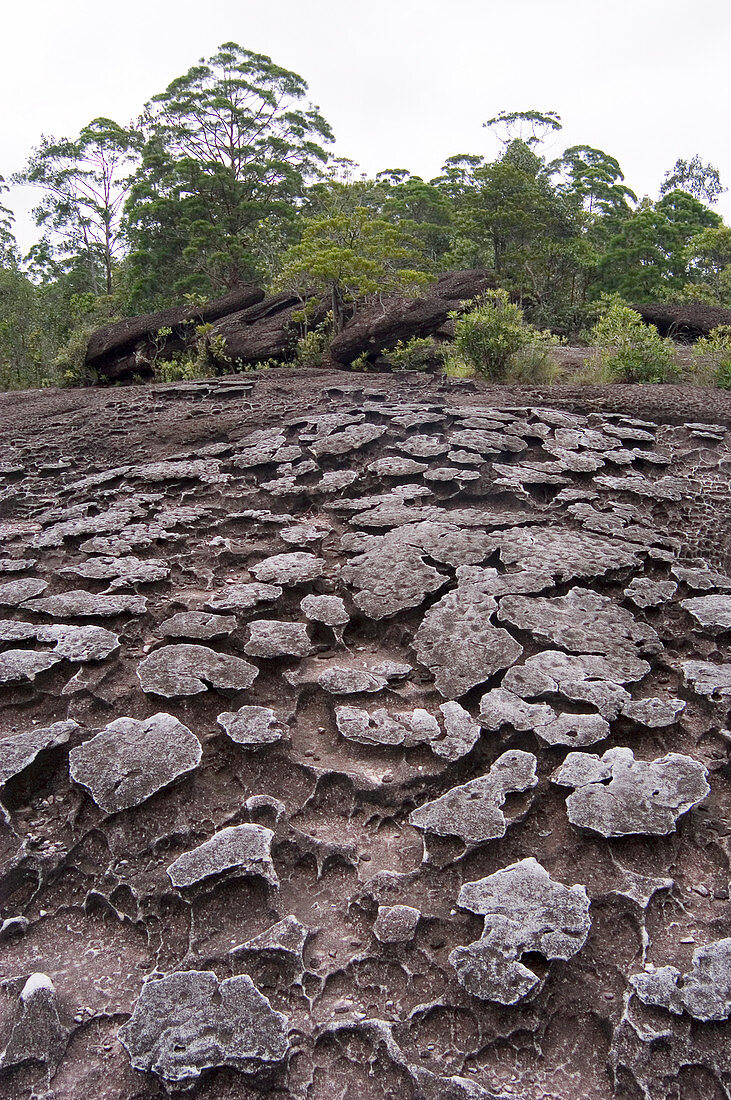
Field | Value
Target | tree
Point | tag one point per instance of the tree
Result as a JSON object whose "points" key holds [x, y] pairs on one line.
{"points": [[530, 127], [700, 180], [86, 182], [229, 146], [8, 245], [597, 180], [647, 259], [349, 255], [709, 260]]}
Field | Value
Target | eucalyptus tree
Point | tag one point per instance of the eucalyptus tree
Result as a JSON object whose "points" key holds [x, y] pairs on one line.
{"points": [[85, 182], [230, 146]]}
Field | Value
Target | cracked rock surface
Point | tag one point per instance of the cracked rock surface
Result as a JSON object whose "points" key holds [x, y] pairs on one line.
{"points": [[364, 737]]}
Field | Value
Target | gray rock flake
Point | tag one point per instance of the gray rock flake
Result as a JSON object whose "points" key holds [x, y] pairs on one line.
{"points": [[616, 795], [189, 1022], [252, 726], [245, 849], [525, 910], [186, 669], [129, 761]]}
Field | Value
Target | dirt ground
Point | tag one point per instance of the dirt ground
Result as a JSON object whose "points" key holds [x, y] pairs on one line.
{"points": [[351, 598]]}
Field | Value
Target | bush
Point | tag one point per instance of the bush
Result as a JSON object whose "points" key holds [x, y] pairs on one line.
{"points": [[630, 350], [712, 358], [418, 353], [313, 344], [493, 341]]}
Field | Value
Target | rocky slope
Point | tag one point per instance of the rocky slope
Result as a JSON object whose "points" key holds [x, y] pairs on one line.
{"points": [[365, 738]]}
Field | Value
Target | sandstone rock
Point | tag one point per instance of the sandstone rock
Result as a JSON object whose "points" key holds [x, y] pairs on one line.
{"points": [[80, 604], [473, 812], [329, 610], [242, 597], [38, 1034], [18, 751], [15, 593], [457, 642], [396, 923], [713, 613], [245, 849], [129, 761], [646, 593], [252, 726], [271, 638], [380, 727], [582, 622], [707, 678], [642, 796], [190, 669], [198, 624], [189, 1022], [525, 910], [585, 678], [79, 643], [461, 732], [704, 992], [285, 569], [25, 664]]}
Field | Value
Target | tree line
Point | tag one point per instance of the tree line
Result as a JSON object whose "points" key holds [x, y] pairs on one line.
{"points": [[227, 177]]}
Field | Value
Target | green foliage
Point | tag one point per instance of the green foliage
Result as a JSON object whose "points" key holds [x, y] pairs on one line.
{"points": [[495, 342], [88, 312], [418, 353], [313, 344], [229, 147], [712, 358], [649, 256], [85, 184], [630, 350], [696, 178], [350, 255]]}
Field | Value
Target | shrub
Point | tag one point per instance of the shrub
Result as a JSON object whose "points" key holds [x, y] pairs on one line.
{"points": [[418, 353], [712, 358], [494, 341], [314, 342], [630, 350]]}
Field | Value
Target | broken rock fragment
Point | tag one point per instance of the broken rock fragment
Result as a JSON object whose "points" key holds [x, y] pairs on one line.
{"points": [[616, 795], [396, 923], [190, 669], [198, 624], [704, 992], [582, 622], [129, 760], [38, 1034], [81, 604], [18, 751], [461, 732], [242, 597], [525, 910], [272, 638], [458, 643], [25, 664], [189, 1022], [712, 613], [245, 849], [252, 726], [329, 610], [473, 812], [285, 569], [378, 727]]}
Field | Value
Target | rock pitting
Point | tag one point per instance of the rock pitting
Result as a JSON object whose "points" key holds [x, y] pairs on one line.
{"points": [[306, 678]]}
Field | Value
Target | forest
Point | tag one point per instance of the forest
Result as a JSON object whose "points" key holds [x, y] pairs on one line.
{"points": [[227, 178]]}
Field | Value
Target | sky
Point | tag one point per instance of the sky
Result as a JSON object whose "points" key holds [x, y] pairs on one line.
{"points": [[403, 83]]}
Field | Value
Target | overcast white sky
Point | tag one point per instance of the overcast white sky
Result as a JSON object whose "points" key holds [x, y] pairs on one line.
{"points": [[404, 83]]}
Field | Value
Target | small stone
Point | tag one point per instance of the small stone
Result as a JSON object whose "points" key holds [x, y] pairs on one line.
{"points": [[396, 923], [187, 669]]}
